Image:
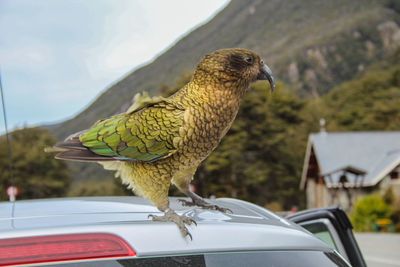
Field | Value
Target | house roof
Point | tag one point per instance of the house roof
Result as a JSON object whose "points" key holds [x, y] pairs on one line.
{"points": [[370, 155]]}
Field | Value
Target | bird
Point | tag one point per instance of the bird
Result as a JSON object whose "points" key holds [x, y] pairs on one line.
{"points": [[161, 141]]}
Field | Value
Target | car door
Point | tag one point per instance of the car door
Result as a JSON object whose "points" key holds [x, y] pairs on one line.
{"points": [[332, 226]]}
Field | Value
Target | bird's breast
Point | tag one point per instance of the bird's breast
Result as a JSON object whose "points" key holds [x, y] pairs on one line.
{"points": [[205, 125]]}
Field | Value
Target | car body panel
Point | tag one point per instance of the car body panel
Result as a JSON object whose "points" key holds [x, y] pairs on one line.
{"points": [[249, 227]]}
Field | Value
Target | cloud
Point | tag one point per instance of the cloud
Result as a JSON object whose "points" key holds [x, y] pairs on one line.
{"points": [[32, 58], [136, 33]]}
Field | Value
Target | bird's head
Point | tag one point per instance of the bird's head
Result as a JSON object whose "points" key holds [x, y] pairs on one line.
{"points": [[234, 66]]}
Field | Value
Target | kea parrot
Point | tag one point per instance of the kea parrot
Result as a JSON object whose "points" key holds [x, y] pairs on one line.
{"points": [[162, 140]]}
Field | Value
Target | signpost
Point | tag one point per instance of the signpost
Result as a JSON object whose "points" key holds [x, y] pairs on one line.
{"points": [[12, 192]]}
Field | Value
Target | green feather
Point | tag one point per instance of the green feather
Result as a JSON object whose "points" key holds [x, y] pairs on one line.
{"points": [[103, 151], [112, 140], [145, 135]]}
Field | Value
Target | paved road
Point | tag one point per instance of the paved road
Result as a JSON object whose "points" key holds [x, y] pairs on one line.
{"points": [[380, 250]]}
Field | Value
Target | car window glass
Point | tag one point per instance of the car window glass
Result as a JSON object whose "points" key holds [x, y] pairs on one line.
{"points": [[234, 259], [274, 259], [322, 232]]}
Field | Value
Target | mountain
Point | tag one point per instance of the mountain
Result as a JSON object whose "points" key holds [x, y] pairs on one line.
{"points": [[310, 45]]}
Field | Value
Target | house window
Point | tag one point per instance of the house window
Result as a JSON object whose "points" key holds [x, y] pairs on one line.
{"points": [[395, 174]]}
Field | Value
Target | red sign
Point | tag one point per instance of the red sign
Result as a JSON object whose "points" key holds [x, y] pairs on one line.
{"points": [[12, 191]]}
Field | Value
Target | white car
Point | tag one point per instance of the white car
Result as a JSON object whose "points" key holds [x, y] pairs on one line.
{"points": [[117, 231]]}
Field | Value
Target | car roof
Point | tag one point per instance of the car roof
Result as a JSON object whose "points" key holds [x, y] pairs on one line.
{"points": [[249, 227]]}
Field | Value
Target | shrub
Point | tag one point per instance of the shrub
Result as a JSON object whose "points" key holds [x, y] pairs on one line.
{"points": [[367, 210]]}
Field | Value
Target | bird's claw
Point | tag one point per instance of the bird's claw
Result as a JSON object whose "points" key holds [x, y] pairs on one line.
{"points": [[180, 221], [226, 210], [204, 205]]}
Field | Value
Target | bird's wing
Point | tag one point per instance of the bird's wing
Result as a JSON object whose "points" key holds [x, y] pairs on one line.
{"points": [[142, 100], [145, 134]]}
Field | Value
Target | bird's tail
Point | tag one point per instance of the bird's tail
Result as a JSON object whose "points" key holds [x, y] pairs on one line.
{"points": [[53, 149], [72, 149]]}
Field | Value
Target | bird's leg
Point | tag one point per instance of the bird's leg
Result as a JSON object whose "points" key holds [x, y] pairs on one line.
{"points": [[200, 202], [182, 181], [171, 216]]}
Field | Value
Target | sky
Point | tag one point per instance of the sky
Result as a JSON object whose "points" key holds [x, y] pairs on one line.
{"points": [[57, 56]]}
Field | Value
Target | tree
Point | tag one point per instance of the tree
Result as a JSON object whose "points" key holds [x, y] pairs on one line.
{"points": [[180, 82], [36, 173], [369, 103]]}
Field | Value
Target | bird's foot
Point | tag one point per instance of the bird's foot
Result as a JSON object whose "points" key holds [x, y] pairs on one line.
{"points": [[199, 202], [180, 221]]}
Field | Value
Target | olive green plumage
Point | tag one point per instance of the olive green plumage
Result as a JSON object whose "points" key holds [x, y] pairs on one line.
{"points": [[163, 140], [146, 135]]}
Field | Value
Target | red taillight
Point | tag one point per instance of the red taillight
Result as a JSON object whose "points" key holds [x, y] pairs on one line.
{"points": [[40, 249]]}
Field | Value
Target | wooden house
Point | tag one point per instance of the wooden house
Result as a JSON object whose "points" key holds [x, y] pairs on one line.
{"points": [[341, 166]]}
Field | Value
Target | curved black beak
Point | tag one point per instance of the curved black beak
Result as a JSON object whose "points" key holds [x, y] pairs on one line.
{"points": [[266, 74]]}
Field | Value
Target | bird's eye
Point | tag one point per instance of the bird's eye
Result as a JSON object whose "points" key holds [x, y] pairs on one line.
{"points": [[249, 59]]}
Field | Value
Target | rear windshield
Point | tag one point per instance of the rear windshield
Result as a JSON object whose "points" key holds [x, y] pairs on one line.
{"points": [[247, 259]]}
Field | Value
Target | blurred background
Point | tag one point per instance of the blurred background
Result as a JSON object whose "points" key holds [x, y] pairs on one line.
{"points": [[328, 135]]}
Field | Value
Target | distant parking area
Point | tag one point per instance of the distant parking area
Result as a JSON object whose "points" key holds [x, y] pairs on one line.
{"points": [[381, 249]]}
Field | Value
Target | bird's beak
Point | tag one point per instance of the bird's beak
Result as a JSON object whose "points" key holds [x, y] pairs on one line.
{"points": [[266, 74]]}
